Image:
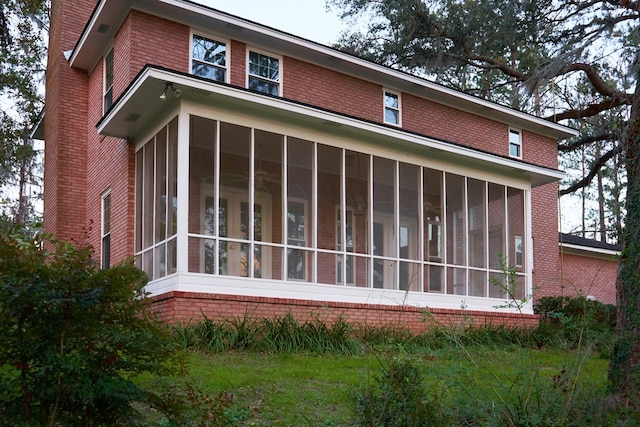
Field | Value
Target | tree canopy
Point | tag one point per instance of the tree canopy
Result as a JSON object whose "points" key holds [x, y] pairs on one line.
{"points": [[575, 61], [23, 30], [567, 61]]}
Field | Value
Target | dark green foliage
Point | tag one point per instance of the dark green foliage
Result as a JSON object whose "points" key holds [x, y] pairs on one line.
{"points": [[280, 334], [398, 398], [569, 322], [72, 336]]}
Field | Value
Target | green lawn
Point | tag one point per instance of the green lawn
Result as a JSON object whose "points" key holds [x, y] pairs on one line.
{"points": [[312, 390]]}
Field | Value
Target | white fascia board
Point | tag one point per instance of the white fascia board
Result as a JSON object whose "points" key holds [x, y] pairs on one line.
{"points": [[589, 251], [283, 105]]}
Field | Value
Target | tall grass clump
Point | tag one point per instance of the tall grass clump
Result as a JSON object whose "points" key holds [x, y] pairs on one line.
{"points": [[279, 334]]}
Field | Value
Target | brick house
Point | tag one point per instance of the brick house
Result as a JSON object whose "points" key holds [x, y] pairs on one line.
{"points": [[249, 169]]}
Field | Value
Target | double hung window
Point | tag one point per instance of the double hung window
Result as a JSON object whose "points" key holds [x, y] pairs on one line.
{"points": [[264, 73], [209, 58], [515, 143], [391, 108]]}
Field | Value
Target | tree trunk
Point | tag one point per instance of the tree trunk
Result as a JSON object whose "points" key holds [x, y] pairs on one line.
{"points": [[624, 368]]}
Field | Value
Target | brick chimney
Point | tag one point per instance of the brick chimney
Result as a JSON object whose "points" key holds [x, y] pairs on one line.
{"points": [[66, 124]]}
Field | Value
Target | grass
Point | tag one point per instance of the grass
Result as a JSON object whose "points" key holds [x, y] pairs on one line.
{"points": [[320, 390], [285, 373]]}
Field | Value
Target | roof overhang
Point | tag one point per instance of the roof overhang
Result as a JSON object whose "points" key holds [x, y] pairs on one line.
{"points": [[139, 107], [109, 15], [572, 249]]}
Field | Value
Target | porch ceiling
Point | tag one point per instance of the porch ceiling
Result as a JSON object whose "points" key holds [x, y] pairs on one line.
{"points": [[139, 110]]}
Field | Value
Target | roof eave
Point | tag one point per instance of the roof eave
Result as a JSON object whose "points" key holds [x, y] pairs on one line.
{"points": [[93, 42]]}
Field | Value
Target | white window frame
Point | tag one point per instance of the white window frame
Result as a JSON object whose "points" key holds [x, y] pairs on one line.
{"points": [[107, 91], [105, 229], [515, 143], [214, 38], [398, 111], [271, 55]]}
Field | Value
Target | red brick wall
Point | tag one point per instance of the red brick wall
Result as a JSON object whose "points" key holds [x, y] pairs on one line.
{"points": [[65, 130], [539, 150], [585, 275], [329, 89], [142, 39], [176, 307], [544, 210]]}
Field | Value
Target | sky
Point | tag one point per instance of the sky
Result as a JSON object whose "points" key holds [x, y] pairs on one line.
{"points": [[304, 18]]}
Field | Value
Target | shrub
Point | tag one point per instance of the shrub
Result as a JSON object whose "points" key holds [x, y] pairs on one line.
{"points": [[398, 398], [575, 320], [72, 336]]}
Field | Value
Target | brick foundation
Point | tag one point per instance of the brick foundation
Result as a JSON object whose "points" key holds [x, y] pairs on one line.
{"points": [[182, 307]]}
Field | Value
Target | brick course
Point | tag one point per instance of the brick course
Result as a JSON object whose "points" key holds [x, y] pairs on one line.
{"points": [[184, 307]]}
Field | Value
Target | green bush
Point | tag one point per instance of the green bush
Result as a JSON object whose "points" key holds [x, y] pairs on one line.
{"points": [[567, 322], [397, 398], [73, 336]]}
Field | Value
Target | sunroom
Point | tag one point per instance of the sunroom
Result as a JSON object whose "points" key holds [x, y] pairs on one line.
{"points": [[245, 194]]}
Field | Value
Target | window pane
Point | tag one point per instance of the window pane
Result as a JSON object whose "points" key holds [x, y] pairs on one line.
{"points": [[433, 208], [300, 185], [496, 217], [202, 194], [268, 180], [477, 283], [329, 196], [264, 73], [433, 277], [147, 208], [384, 223], [235, 151], [209, 58], [161, 186], [515, 206], [456, 224], [456, 281], [477, 223], [139, 192], [391, 100], [327, 263], [409, 208], [357, 187], [172, 176], [391, 116]]}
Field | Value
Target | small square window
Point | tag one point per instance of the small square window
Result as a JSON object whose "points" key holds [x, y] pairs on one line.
{"points": [[515, 143], [208, 58], [264, 73], [391, 108]]}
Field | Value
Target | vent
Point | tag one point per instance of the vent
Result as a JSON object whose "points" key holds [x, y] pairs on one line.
{"points": [[103, 28], [132, 118]]}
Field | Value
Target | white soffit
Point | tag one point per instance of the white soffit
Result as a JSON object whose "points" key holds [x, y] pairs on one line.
{"points": [[138, 109]]}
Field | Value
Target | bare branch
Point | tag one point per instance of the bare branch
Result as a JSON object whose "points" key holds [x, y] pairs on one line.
{"points": [[593, 171]]}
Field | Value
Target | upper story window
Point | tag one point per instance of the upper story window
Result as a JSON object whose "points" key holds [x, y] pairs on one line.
{"points": [[515, 143], [391, 108], [264, 73], [108, 81], [209, 58]]}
